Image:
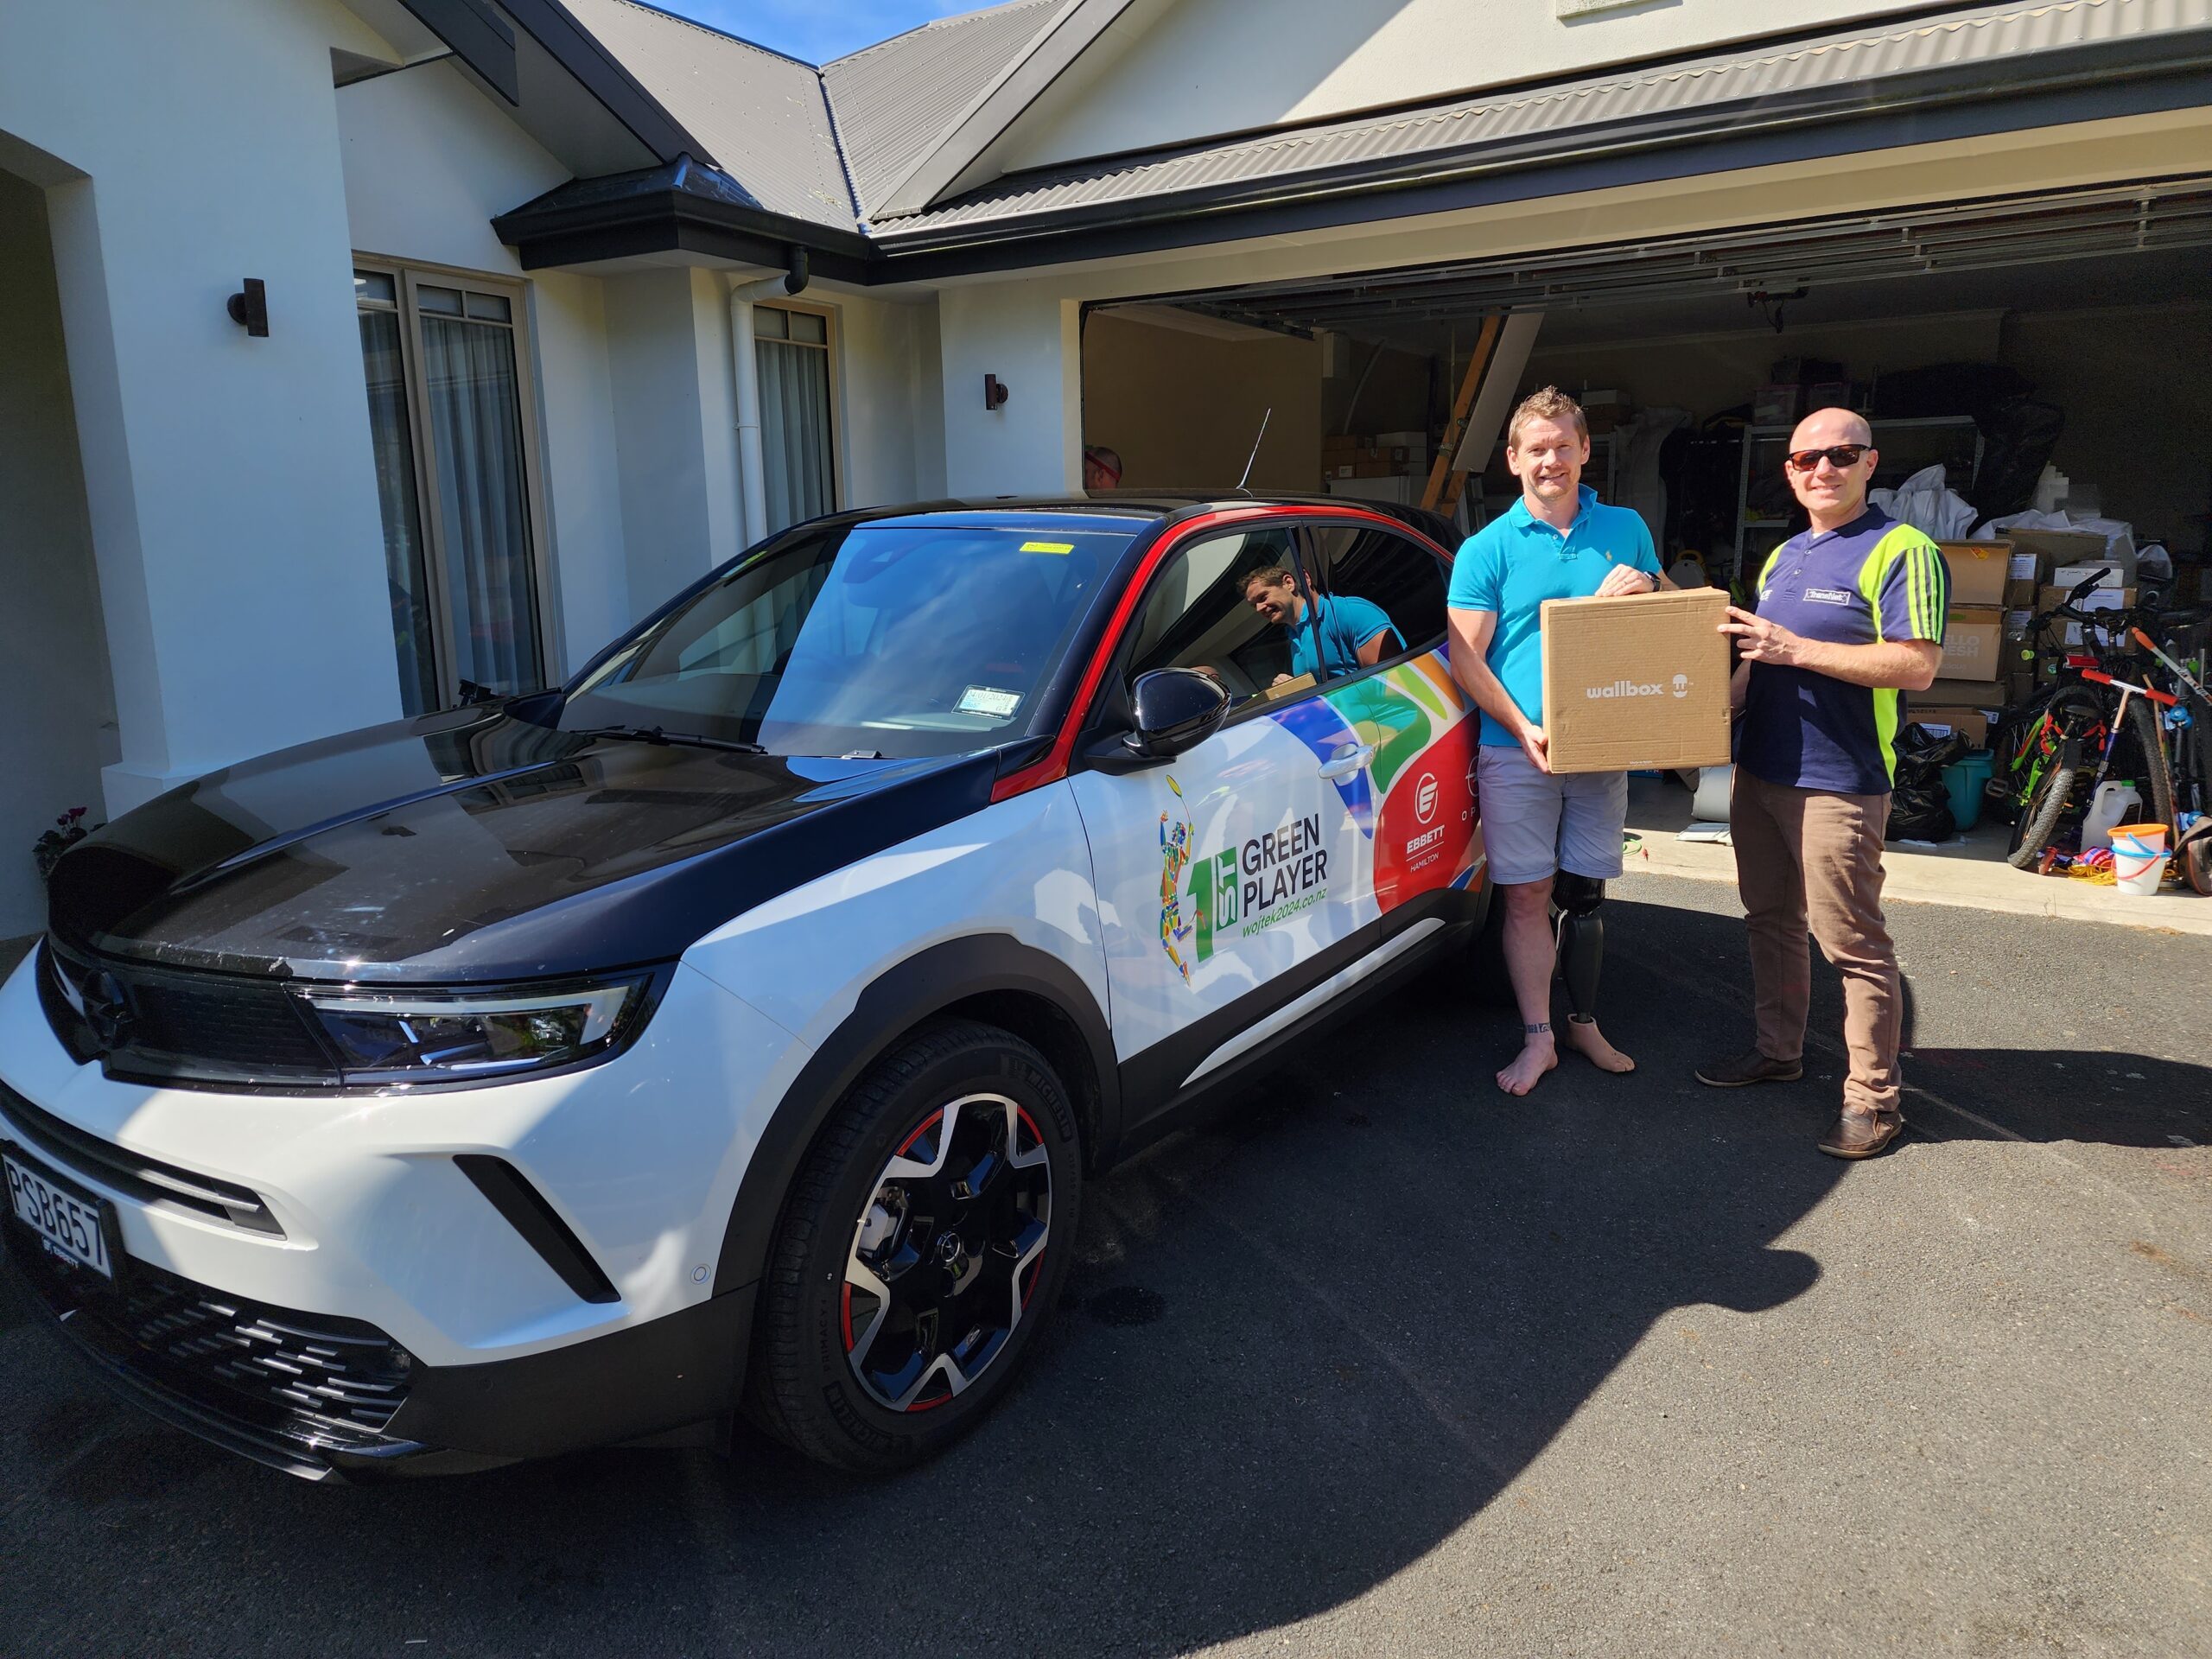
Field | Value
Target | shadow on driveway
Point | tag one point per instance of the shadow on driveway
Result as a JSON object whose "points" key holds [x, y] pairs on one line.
{"points": [[1305, 1344]]}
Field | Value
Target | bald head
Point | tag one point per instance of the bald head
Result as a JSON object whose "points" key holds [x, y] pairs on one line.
{"points": [[1825, 426], [1840, 446]]}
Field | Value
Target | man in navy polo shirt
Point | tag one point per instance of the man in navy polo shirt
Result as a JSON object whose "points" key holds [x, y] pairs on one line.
{"points": [[1850, 617], [1552, 840]]}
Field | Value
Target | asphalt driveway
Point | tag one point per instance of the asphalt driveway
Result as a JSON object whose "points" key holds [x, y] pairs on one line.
{"points": [[1381, 1363]]}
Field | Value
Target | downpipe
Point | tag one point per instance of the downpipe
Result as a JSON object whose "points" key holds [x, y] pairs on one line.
{"points": [[745, 372]]}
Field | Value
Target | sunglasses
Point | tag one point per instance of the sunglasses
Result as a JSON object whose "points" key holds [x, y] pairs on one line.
{"points": [[1841, 456]]}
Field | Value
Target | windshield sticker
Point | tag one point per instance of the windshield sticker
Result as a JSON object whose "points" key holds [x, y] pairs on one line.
{"points": [[985, 699], [1048, 547]]}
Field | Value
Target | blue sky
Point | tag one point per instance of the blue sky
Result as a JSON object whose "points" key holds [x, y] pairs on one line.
{"points": [[815, 31]]}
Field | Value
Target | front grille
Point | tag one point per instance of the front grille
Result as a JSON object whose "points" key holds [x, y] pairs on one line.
{"points": [[311, 1377], [147, 1179], [251, 1027], [179, 1025]]}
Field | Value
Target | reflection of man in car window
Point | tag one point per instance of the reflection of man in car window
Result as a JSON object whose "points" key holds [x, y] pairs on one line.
{"points": [[1348, 634]]}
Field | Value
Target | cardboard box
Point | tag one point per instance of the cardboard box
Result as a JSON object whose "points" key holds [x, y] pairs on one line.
{"points": [[1636, 682], [2109, 573], [2097, 599], [2051, 548], [1963, 694], [1973, 640], [1974, 722], [1978, 570], [2019, 591], [1334, 442]]}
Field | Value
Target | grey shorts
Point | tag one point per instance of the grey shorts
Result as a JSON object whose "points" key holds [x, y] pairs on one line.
{"points": [[1536, 823]]}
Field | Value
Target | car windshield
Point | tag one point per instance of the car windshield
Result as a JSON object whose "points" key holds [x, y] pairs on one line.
{"points": [[900, 637]]}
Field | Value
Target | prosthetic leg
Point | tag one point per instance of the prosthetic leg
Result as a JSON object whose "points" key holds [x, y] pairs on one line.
{"points": [[1579, 940]]}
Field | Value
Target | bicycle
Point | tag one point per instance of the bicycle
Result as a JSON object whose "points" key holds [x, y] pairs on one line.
{"points": [[2102, 710]]}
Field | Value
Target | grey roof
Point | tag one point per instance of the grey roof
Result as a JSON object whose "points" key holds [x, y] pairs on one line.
{"points": [[896, 100], [763, 115], [1999, 44]]}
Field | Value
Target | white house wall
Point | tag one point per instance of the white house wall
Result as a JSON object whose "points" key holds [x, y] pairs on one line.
{"points": [[1170, 73], [1027, 333], [890, 399], [233, 501]]}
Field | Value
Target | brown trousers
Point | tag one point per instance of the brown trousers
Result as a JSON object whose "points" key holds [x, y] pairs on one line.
{"points": [[1812, 855]]}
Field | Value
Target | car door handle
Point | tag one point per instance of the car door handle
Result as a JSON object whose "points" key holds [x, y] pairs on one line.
{"points": [[1346, 761]]}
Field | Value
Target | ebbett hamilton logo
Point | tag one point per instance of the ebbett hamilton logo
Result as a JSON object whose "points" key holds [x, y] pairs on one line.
{"points": [[1425, 798], [1632, 689]]}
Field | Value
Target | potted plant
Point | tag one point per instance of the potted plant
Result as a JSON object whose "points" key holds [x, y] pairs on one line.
{"points": [[69, 829]]}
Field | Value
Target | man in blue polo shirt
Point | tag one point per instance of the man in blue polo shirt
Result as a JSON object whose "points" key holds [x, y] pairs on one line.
{"points": [[1552, 840], [1348, 633], [1850, 617]]}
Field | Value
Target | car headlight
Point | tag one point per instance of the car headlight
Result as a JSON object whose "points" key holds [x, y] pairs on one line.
{"points": [[405, 1036]]}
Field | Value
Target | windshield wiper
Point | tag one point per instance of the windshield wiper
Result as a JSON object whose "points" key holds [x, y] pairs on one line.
{"points": [[655, 734]]}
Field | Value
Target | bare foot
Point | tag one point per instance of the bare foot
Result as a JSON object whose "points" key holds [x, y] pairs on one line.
{"points": [[1591, 1042], [1538, 1056]]}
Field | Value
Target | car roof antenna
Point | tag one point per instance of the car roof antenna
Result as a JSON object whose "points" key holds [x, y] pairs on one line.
{"points": [[1255, 455]]}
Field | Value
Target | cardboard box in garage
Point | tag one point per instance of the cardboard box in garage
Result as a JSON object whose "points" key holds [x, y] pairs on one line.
{"points": [[1637, 681], [1973, 641], [1972, 723], [1978, 570]]}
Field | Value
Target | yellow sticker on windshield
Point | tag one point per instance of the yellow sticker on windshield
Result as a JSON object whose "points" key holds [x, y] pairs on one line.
{"points": [[1048, 547]]}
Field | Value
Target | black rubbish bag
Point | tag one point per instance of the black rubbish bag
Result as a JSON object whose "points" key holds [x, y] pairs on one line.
{"points": [[1920, 806]]}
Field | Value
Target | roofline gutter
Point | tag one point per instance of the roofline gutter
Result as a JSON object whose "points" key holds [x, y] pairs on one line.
{"points": [[2097, 81], [675, 221], [2138, 75]]}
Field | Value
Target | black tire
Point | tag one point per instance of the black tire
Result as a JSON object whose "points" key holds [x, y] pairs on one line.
{"points": [[806, 1385], [2039, 816], [2144, 758]]}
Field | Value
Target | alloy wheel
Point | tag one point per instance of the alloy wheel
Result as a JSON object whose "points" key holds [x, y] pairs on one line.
{"points": [[945, 1253]]}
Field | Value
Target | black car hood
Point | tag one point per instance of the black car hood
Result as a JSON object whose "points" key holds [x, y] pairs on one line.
{"points": [[476, 846]]}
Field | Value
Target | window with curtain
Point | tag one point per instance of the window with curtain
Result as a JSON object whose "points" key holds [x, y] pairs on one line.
{"points": [[792, 351], [446, 402]]}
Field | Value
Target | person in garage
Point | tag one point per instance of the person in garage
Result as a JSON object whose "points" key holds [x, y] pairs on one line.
{"points": [[1850, 617], [1348, 633], [1553, 840], [1102, 468]]}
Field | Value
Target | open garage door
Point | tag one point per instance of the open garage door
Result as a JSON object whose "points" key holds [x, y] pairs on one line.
{"points": [[2074, 316]]}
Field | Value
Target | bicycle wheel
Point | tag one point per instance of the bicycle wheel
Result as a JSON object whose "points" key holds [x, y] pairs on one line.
{"points": [[2141, 754], [2039, 816]]}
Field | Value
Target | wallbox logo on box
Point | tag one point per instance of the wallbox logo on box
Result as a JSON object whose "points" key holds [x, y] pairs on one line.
{"points": [[1631, 689]]}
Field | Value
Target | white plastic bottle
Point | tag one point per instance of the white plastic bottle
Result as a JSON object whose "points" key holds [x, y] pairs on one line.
{"points": [[2110, 805]]}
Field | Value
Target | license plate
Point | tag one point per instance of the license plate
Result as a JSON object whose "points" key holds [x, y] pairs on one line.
{"points": [[68, 1225]]}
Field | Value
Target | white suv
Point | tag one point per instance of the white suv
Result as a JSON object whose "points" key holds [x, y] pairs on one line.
{"points": [[734, 1027]]}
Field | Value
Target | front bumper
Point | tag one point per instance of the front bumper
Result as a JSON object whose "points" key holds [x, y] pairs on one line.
{"points": [[326, 1398], [261, 1239]]}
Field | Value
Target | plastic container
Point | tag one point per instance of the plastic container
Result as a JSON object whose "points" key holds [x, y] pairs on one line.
{"points": [[1964, 779], [2138, 857], [2112, 802]]}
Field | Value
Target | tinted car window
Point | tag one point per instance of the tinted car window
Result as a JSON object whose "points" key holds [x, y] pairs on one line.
{"points": [[1196, 615], [906, 639], [1357, 567]]}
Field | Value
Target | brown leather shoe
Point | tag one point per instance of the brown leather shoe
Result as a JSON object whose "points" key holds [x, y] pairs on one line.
{"points": [[1861, 1134], [1743, 1068]]}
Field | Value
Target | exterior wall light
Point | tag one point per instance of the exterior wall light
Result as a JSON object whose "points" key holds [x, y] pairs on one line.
{"points": [[249, 307], [995, 391]]}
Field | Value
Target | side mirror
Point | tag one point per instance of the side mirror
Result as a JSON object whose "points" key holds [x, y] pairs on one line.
{"points": [[1175, 709]]}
